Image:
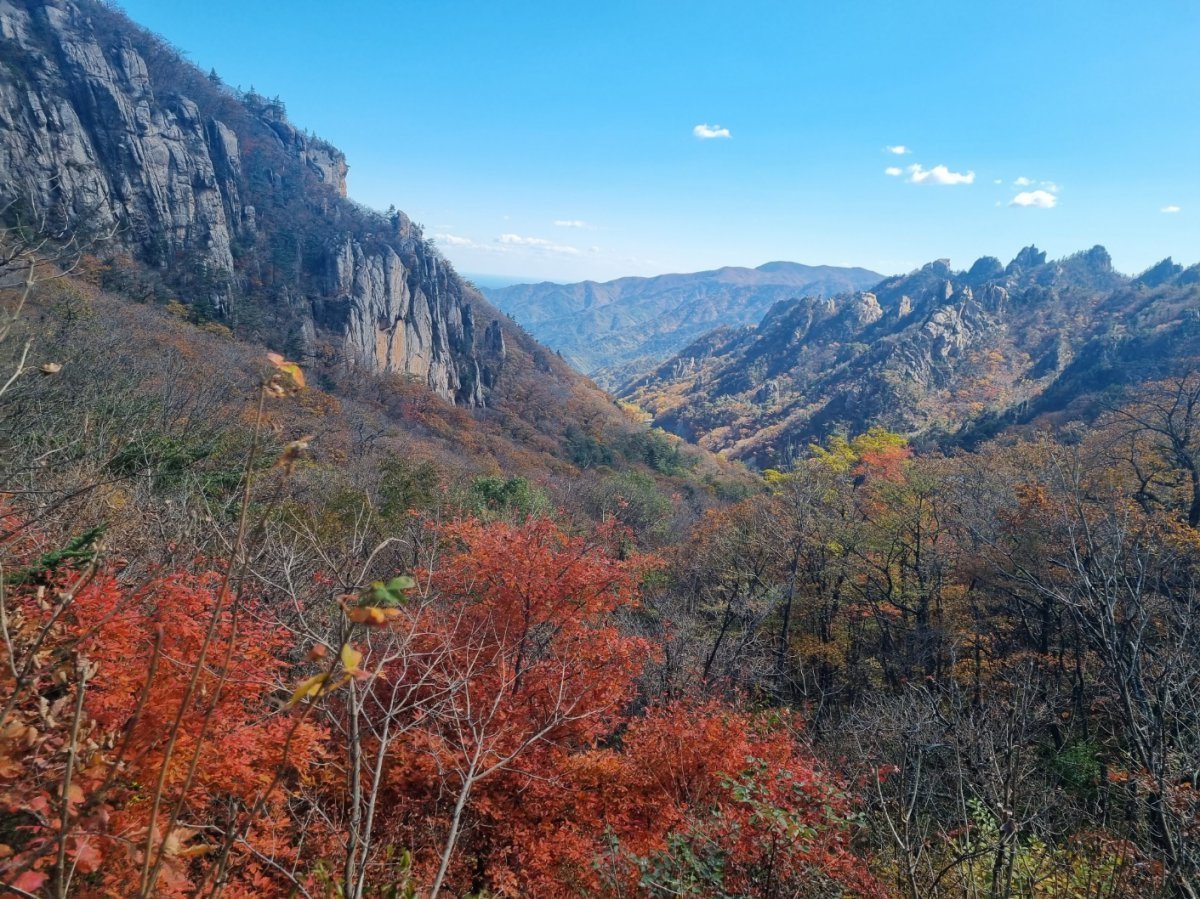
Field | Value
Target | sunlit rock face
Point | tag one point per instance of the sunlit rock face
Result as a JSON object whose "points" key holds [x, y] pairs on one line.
{"points": [[105, 130]]}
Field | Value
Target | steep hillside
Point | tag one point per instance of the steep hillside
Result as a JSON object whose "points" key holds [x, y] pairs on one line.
{"points": [[617, 330], [208, 203], [213, 197], [935, 352]]}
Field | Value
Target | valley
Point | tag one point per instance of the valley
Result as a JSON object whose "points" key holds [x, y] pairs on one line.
{"points": [[613, 331], [326, 573]]}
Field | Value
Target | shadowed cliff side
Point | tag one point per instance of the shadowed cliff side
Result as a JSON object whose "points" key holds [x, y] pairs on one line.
{"points": [[217, 200]]}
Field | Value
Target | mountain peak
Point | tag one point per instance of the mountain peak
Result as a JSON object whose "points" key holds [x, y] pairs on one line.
{"points": [[928, 352], [618, 330], [985, 268], [1029, 258], [1159, 273], [1097, 259]]}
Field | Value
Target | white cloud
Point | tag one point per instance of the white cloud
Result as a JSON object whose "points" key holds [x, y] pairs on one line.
{"points": [[939, 174], [536, 243], [998, 181], [899, 149], [1038, 199], [707, 132], [1022, 181], [507, 244], [1170, 209], [570, 223], [893, 170], [518, 240], [453, 240]]}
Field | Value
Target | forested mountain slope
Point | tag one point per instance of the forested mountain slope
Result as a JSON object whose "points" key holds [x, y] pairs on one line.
{"points": [[935, 353], [306, 594], [186, 195], [217, 200], [619, 329]]}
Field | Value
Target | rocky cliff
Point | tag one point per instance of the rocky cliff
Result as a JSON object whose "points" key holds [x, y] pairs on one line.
{"points": [[106, 131], [618, 330], [937, 353]]}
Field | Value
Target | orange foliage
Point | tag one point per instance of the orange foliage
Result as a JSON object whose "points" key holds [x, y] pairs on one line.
{"points": [[524, 641], [518, 760], [98, 639], [725, 784], [579, 797]]}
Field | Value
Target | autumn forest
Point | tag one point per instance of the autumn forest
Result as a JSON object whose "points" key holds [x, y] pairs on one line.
{"points": [[320, 577], [242, 664]]}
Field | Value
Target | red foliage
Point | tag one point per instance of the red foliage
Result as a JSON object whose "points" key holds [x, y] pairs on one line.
{"points": [[100, 626], [524, 641], [886, 462], [581, 797], [516, 756], [691, 781]]}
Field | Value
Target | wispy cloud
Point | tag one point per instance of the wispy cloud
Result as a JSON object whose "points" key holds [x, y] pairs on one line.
{"points": [[939, 174], [507, 243], [1036, 199], [893, 170], [708, 132], [899, 149], [518, 240], [1170, 209], [536, 243], [571, 223], [1022, 181], [453, 240]]}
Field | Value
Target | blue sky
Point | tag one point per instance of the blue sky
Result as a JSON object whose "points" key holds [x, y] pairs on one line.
{"points": [[558, 140]]}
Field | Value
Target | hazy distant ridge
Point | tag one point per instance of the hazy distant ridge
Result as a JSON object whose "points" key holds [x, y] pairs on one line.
{"points": [[618, 329]]}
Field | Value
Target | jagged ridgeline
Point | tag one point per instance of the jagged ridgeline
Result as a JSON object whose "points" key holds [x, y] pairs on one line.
{"points": [[618, 330], [937, 354], [213, 198]]}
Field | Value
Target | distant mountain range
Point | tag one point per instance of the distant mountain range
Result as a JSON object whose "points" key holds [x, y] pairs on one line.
{"points": [[617, 330], [951, 356]]}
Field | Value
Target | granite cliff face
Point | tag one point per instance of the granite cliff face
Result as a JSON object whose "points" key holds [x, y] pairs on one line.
{"points": [[106, 130], [84, 133], [936, 353]]}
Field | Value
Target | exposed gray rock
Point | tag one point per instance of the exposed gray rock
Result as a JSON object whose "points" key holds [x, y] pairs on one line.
{"points": [[993, 298], [493, 340], [391, 323], [1028, 259], [768, 393], [85, 134], [617, 330], [866, 309], [326, 162], [986, 268], [1159, 273], [104, 128]]}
